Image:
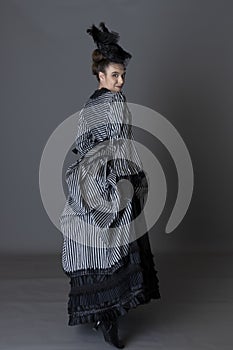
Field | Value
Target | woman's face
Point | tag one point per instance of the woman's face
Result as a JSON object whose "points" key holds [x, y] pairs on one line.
{"points": [[113, 78]]}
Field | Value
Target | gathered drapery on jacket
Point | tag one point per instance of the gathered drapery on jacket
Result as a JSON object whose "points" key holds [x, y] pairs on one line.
{"points": [[97, 220]]}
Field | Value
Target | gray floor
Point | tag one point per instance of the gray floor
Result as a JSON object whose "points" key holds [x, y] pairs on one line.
{"points": [[195, 312]]}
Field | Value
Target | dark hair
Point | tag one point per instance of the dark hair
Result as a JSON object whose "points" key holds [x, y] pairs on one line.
{"points": [[99, 63]]}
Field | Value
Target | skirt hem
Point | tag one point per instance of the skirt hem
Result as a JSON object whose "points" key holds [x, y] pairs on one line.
{"points": [[112, 313]]}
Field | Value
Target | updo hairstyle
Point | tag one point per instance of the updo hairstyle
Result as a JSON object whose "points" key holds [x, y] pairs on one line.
{"points": [[99, 63]]}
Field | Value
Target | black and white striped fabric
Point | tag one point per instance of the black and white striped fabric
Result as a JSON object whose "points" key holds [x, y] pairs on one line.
{"points": [[97, 220]]}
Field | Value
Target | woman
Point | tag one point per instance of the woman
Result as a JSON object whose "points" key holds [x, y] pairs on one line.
{"points": [[111, 270]]}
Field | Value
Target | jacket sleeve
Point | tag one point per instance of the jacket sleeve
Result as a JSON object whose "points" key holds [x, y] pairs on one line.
{"points": [[127, 162], [85, 139]]}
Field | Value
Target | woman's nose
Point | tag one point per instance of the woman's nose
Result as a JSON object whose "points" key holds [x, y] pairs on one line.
{"points": [[120, 80]]}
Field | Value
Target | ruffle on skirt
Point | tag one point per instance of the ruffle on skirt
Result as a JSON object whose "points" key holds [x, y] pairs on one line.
{"points": [[96, 296]]}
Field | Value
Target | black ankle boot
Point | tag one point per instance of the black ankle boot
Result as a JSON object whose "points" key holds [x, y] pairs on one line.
{"points": [[110, 332]]}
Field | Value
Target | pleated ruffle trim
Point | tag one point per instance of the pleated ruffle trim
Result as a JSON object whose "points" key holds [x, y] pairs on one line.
{"points": [[106, 297], [108, 311]]}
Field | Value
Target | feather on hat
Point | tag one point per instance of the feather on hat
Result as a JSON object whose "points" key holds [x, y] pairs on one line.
{"points": [[107, 44]]}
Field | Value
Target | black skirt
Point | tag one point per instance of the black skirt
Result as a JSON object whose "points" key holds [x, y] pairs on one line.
{"points": [[98, 296]]}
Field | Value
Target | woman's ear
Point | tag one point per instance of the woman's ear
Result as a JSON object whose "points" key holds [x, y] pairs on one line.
{"points": [[101, 76]]}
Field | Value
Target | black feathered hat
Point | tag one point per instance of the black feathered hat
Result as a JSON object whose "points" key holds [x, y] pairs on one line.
{"points": [[107, 44]]}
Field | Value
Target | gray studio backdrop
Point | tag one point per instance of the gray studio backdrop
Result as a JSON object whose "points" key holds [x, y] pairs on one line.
{"points": [[181, 67]]}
